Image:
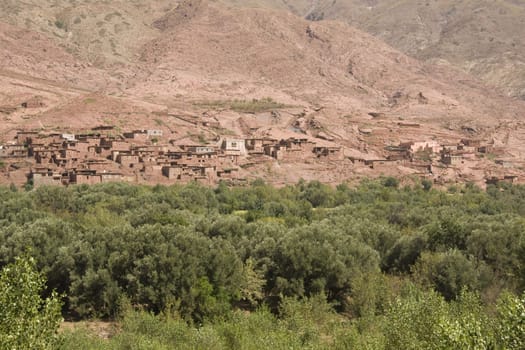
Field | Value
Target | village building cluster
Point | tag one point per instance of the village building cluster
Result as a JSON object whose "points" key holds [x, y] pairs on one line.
{"points": [[427, 156], [103, 155]]}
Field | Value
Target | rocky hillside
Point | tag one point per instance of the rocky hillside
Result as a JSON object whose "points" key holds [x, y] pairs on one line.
{"points": [[482, 37]]}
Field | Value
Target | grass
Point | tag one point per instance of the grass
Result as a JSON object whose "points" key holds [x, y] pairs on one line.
{"points": [[199, 138], [255, 105], [243, 106], [223, 131]]}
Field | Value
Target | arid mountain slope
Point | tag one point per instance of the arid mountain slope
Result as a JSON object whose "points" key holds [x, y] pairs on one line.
{"points": [[483, 37], [256, 53]]}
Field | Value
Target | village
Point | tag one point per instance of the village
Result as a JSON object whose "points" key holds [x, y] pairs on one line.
{"points": [[100, 155], [105, 154]]}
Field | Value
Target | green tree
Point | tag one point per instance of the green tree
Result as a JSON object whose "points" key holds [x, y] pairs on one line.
{"points": [[26, 320], [511, 322], [424, 320], [448, 273]]}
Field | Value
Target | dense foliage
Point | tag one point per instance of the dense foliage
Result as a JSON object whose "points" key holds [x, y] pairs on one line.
{"points": [[418, 320], [373, 252], [26, 320]]}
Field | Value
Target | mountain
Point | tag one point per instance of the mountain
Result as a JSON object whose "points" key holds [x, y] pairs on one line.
{"points": [[255, 72], [482, 37]]}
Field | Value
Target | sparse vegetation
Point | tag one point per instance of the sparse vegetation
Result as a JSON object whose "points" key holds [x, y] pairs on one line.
{"points": [[159, 122], [60, 24], [243, 106], [255, 105]]}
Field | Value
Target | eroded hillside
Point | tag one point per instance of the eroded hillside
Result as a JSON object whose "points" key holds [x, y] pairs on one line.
{"points": [[484, 38]]}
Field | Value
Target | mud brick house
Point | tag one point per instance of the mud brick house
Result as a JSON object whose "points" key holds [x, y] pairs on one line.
{"points": [[68, 137], [485, 149], [228, 158], [397, 152], [91, 177], [46, 176], [137, 136], [185, 173], [358, 160], [150, 150], [79, 146], [227, 173], [44, 154], [199, 149], [257, 145], [153, 171], [505, 163], [154, 133], [234, 147], [69, 155], [494, 180], [99, 165], [92, 139], [16, 151], [49, 139], [451, 157], [450, 147], [471, 142], [33, 102], [110, 176], [205, 174], [110, 146], [415, 147], [81, 177], [291, 149], [173, 172], [26, 137], [128, 160], [203, 159], [193, 159], [383, 164], [143, 136], [115, 144], [328, 152], [150, 158]]}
